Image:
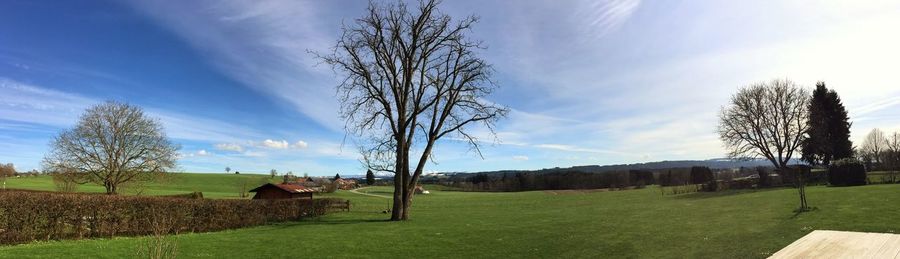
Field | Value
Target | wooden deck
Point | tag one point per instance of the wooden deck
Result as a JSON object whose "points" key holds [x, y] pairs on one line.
{"points": [[842, 244]]}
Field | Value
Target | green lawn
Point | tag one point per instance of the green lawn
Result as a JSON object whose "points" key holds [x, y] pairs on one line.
{"points": [[883, 176], [635, 223], [212, 185]]}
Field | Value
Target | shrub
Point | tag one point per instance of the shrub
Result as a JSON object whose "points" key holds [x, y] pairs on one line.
{"points": [[701, 175], [191, 195], [28, 216], [330, 187], [743, 183], [763, 173], [847, 172], [711, 186], [65, 181]]}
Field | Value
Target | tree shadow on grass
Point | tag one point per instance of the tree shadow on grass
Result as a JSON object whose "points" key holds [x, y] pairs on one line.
{"points": [[799, 212], [329, 222], [726, 193], [347, 221]]}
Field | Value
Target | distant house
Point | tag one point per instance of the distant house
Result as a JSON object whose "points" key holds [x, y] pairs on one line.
{"points": [[282, 191], [420, 190], [346, 184]]}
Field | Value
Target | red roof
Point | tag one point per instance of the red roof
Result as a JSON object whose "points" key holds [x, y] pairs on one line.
{"points": [[291, 188]]}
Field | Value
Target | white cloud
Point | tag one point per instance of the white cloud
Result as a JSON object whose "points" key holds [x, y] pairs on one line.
{"points": [[276, 144], [254, 154], [520, 158], [198, 153], [300, 144], [229, 147]]}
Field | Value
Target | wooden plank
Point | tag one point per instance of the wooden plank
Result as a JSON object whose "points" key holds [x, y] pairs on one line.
{"points": [[842, 244]]}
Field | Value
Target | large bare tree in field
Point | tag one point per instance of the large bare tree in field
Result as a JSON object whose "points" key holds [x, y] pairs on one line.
{"points": [[765, 120], [412, 77], [113, 143]]}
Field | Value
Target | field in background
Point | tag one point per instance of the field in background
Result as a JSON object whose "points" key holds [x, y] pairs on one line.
{"points": [[634, 223], [212, 185]]}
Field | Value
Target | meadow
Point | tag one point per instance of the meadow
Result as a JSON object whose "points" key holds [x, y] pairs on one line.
{"points": [[212, 185], [538, 224]]}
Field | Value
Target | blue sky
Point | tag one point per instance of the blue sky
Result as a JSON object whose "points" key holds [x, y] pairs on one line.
{"points": [[588, 82]]}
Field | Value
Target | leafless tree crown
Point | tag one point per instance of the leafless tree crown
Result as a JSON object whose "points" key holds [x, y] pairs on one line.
{"points": [[765, 120], [113, 143], [874, 146], [411, 77]]}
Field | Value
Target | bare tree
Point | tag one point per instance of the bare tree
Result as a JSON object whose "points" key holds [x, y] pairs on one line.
{"points": [[113, 143], [273, 173], [6, 170], [893, 150], [874, 146], [411, 78], [65, 181], [227, 169], [765, 119], [891, 157], [893, 142]]}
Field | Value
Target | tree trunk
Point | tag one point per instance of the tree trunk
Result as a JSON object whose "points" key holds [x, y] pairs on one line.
{"points": [[110, 187], [407, 201], [801, 188], [397, 208]]}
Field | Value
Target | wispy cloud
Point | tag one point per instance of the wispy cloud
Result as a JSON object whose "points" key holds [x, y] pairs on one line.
{"points": [[261, 44], [229, 147], [603, 17], [575, 149], [32, 104]]}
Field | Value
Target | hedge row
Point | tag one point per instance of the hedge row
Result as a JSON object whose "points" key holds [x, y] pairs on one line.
{"points": [[847, 172], [29, 216]]}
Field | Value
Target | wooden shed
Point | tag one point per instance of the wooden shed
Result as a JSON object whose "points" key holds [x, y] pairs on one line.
{"points": [[282, 191]]}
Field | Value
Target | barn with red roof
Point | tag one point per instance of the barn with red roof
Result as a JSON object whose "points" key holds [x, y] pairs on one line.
{"points": [[282, 191]]}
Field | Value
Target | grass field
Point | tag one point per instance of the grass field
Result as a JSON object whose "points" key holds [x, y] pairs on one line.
{"points": [[212, 185], [883, 176], [634, 223]]}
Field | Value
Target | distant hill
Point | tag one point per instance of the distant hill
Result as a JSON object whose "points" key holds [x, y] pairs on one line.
{"points": [[720, 163]]}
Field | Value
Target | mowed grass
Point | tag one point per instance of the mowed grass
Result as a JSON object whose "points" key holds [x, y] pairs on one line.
{"points": [[562, 224], [212, 185]]}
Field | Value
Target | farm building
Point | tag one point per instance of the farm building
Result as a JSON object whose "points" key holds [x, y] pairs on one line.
{"points": [[346, 184], [282, 191]]}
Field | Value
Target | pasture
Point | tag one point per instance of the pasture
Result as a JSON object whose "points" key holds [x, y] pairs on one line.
{"points": [[212, 185], [538, 224]]}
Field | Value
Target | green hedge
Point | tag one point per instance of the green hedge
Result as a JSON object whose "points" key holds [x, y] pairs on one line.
{"points": [[29, 216], [847, 172]]}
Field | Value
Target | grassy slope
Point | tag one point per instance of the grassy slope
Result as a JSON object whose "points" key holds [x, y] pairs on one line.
{"points": [[638, 223], [212, 185]]}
